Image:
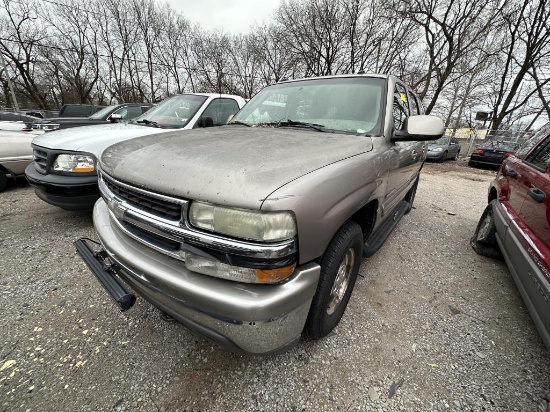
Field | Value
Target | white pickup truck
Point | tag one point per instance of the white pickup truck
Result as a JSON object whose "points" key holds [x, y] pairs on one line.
{"points": [[64, 169]]}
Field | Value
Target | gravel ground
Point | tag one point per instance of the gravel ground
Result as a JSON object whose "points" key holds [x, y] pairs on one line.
{"points": [[430, 326]]}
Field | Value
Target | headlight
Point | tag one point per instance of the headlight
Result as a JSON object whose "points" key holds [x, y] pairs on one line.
{"points": [[221, 270], [241, 223], [77, 163]]}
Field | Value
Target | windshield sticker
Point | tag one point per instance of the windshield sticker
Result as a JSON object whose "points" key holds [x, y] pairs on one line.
{"points": [[403, 97]]}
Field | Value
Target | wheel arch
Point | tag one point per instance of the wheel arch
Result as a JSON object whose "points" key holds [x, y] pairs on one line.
{"points": [[366, 217], [493, 194]]}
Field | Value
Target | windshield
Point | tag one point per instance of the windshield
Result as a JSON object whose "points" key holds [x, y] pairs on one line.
{"points": [[443, 141], [347, 105], [102, 113], [174, 112]]}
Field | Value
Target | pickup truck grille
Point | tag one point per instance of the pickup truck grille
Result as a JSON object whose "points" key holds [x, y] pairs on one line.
{"points": [[40, 160], [157, 206]]}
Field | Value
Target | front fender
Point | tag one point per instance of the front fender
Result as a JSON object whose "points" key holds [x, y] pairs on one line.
{"points": [[325, 198]]}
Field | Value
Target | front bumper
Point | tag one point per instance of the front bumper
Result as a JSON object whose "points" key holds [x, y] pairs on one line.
{"points": [[66, 192], [435, 155], [243, 318]]}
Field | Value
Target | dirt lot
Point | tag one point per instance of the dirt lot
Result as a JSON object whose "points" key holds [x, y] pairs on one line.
{"points": [[431, 326]]}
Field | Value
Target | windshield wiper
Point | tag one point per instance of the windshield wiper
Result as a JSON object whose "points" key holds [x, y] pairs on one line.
{"points": [[239, 122], [290, 122], [145, 121]]}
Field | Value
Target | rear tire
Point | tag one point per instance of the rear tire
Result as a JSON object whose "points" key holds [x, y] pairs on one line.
{"points": [[456, 155], [484, 241], [339, 268]]}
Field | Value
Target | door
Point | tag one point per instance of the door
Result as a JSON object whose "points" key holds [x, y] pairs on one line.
{"points": [[534, 224]]}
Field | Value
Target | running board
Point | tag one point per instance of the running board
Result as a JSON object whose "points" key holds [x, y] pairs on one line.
{"points": [[377, 239]]}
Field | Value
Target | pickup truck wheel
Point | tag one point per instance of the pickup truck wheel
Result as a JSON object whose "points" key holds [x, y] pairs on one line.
{"points": [[339, 268], [484, 241], [3, 180]]}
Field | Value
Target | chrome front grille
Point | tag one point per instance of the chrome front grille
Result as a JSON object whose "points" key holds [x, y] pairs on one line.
{"points": [[160, 222], [160, 206], [40, 160]]}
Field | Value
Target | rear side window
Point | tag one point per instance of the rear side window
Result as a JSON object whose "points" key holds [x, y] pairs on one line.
{"points": [[540, 157], [400, 106]]}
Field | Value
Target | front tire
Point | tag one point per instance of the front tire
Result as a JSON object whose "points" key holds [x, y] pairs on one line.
{"points": [[484, 241], [339, 269]]}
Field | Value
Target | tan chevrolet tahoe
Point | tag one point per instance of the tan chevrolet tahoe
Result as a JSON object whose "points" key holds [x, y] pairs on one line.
{"points": [[251, 234]]}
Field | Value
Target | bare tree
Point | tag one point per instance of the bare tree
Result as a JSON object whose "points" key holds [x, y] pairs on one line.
{"points": [[525, 47], [275, 63], [72, 52], [21, 36], [453, 30], [315, 31]]}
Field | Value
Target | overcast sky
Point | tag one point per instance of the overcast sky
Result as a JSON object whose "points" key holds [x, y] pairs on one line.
{"points": [[232, 16]]}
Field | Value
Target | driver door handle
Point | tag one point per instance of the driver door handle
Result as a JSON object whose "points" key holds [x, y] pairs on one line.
{"points": [[537, 194]]}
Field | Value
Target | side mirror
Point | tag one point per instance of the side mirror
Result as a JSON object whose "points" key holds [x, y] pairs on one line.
{"points": [[115, 117], [419, 128], [206, 122]]}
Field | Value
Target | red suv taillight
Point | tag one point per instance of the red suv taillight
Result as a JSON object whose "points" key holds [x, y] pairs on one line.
{"points": [[478, 151]]}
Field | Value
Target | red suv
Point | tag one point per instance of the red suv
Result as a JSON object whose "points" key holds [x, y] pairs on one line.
{"points": [[516, 225]]}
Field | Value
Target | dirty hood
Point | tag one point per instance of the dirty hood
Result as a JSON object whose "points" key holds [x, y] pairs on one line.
{"points": [[93, 139], [234, 165]]}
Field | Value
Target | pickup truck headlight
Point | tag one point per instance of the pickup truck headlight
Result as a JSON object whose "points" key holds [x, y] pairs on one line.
{"points": [[241, 223], [76, 163]]}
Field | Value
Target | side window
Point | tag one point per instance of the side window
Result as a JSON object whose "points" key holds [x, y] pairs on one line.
{"points": [[400, 106], [540, 157], [220, 110], [454, 140], [129, 112]]}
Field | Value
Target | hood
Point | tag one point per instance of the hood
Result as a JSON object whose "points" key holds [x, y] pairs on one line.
{"points": [[93, 139], [234, 165], [433, 146]]}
